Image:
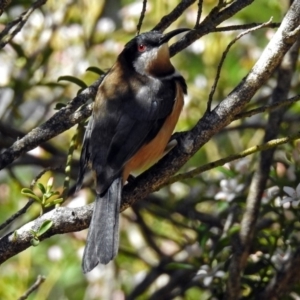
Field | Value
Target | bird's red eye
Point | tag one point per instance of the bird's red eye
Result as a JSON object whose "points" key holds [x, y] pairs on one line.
{"points": [[142, 47]]}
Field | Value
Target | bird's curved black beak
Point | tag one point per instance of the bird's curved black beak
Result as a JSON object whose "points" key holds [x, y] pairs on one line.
{"points": [[166, 37]]}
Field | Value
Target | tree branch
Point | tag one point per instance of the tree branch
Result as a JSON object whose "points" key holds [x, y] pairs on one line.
{"points": [[209, 24], [268, 108], [64, 220], [243, 241], [167, 20], [220, 162], [211, 123], [224, 54], [5, 36], [39, 281], [244, 27], [64, 119], [3, 5], [140, 23], [288, 275]]}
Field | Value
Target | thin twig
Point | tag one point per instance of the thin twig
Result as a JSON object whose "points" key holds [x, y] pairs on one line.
{"points": [[3, 5], [199, 13], [294, 32], [244, 27], [39, 281], [243, 241], [284, 278], [214, 86], [30, 201], [147, 232], [17, 214], [62, 120], [222, 4], [266, 108], [66, 118], [167, 20], [19, 23], [211, 123], [220, 162], [34, 181], [142, 16], [209, 24]]}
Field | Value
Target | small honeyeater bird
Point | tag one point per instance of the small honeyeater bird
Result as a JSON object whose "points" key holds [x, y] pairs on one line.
{"points": [[136, 108]]}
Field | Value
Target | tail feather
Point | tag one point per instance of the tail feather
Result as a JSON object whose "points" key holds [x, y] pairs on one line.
{"points": [[103, 237]]}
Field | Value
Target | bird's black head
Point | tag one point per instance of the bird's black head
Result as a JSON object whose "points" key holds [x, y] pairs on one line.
{"points": [[148, 53]]}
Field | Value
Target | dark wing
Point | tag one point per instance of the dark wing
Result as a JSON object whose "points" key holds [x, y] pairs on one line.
{"points": [[131, 117], [85, 154], [142, 117], [85, 151]]}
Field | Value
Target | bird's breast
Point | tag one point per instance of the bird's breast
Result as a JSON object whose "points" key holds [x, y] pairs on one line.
{"points": [[152, 151]]}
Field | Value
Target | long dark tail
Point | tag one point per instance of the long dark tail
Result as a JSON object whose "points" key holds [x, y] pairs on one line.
{"points": [[103, 237]]}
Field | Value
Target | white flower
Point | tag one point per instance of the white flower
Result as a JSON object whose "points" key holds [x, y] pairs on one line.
{"points": [[55, 253], [200, 81], [293, 195], [197, 47], [271, 193], [206, 274], [106, 25], [280, 257], [229, 189], [242, 165], [37, 152], [256, 257]]}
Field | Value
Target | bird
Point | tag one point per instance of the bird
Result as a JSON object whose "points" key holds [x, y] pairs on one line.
{"points": [[135, 111]]}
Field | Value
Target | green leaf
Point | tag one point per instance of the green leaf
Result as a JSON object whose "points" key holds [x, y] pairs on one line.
{"points": [[58, 200], [80, 90], [32, 196], [45, 227], [15, 236], [59, 105], [222, 243], [182, 266], [34, 242], [34, 233], [95, 70], [47, 195], [41, 187], [226, 172], [50, 194], [51, 84], [53, 202], [73, 79], [233, 230], [27, 191], [49, 185], [203, 234], [18, 49]]}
